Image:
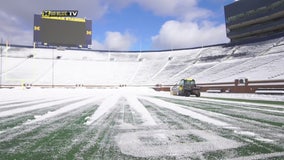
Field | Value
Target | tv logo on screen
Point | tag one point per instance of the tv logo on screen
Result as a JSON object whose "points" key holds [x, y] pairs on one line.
{"points": [[59, 13]]}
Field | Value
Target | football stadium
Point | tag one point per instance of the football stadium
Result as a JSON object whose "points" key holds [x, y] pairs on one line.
{"points": [[60, 99]]}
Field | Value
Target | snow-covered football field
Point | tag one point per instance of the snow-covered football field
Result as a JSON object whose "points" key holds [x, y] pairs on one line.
{"points": [[137, 123]]}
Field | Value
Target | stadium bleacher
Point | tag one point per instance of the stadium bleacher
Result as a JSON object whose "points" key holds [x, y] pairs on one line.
{"points": [[255, 61]]}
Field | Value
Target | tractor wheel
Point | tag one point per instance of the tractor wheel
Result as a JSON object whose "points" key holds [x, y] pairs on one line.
{"points": [[187, 94], [197, 94]]}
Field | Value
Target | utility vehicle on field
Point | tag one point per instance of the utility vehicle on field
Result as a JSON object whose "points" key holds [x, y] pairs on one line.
{"points": [[185, 87]]}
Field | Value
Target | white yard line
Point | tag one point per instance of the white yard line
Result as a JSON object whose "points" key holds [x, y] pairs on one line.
{"points": [[241, 103], [26, 103], [8, 101], [199, 99], [104, 108], [138, 107], [34, 107], [259, 109], [247, 104], [249, 96], [179, 109], [261, 156], [62, 110]]}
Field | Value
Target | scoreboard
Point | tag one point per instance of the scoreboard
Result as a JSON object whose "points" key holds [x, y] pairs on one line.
{"points": [[62, 31]]}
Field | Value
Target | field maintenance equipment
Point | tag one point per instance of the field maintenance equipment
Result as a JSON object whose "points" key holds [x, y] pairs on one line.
{"points": [[185, 87]]}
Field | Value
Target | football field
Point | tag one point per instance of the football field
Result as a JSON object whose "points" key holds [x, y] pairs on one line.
{"points": [[136, 123]]}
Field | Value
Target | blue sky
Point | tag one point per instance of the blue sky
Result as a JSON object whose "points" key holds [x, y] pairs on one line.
{"points": [[127, 24]]}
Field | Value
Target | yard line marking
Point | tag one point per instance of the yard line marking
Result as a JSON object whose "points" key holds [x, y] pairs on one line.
{"points": [[62, 110], [179, 109], [33, 107], [104, 108], [260, 156], [137, 106], [27, 103]]}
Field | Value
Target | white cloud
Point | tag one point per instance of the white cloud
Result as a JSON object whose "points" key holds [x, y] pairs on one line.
{"points": [[181, 9], [118, 41], [12, 32], [97, 45], [189, 28], [176, 34], [115, 41]]}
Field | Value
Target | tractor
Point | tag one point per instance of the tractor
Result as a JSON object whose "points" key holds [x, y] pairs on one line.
{"points": [[185, 87]]}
